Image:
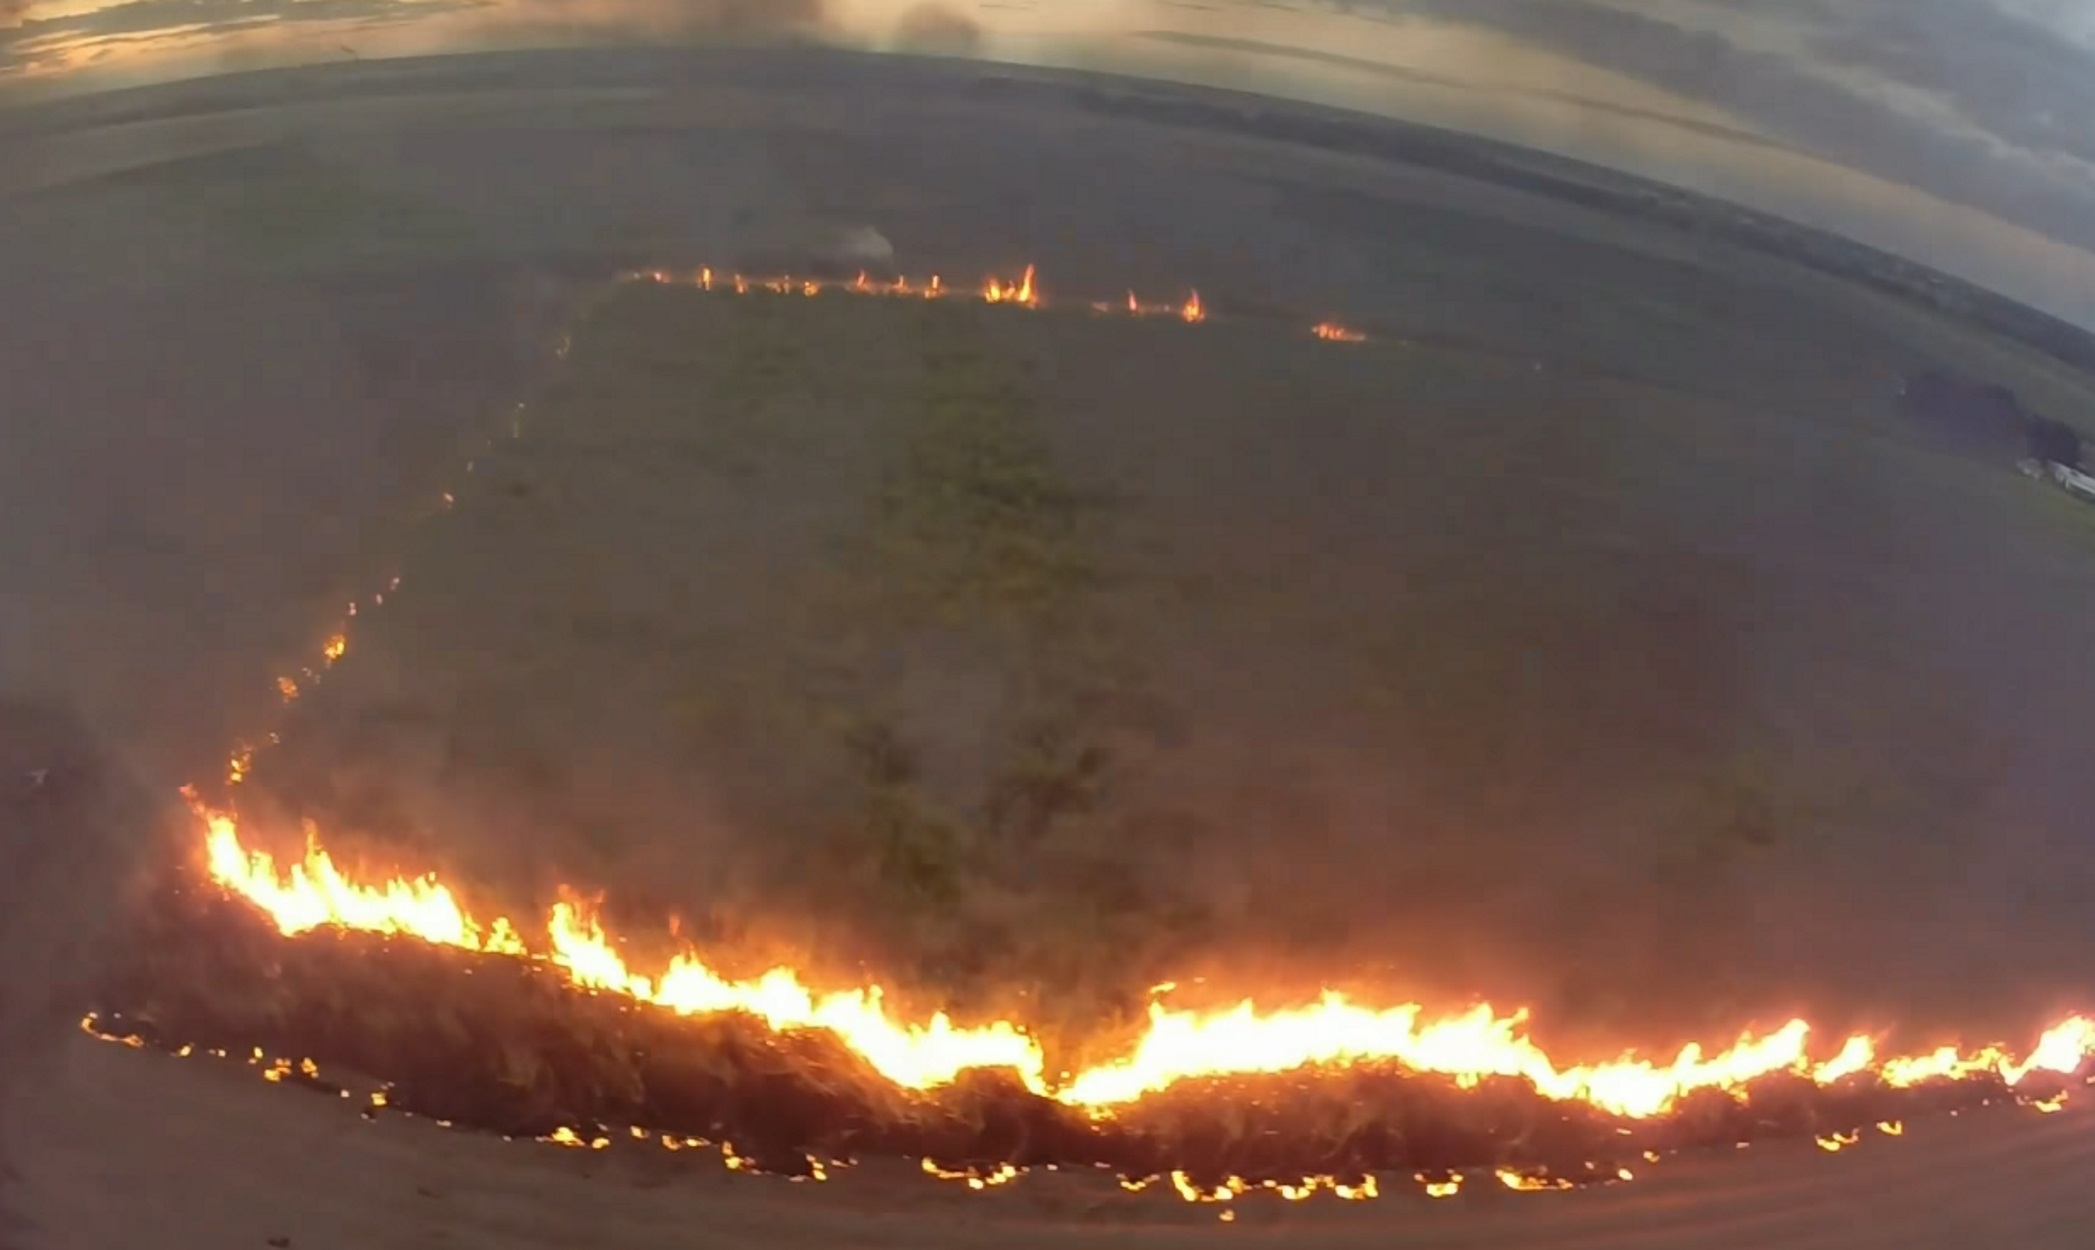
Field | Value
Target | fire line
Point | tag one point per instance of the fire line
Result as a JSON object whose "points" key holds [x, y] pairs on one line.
{"points": [[1177, 1045], [1334, 1031]]}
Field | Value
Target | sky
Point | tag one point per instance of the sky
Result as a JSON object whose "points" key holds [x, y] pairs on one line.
{"points": [[1958, 132]]}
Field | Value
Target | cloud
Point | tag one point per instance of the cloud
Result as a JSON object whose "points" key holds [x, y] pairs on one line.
{"points": [[30, 43], [664, 19], [2007, 94], [1451, 82], [939, 30], [70, 39], [2007, 74]]}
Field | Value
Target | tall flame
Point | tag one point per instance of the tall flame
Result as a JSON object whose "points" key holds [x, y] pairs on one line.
{"points": [[315, 893], [1023, 292], [1177, 1045]]}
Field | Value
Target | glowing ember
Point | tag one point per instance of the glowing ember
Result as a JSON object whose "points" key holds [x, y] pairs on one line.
{"points": [[1177, 1045], [973, 1178], [1232, 1188], [1332, 332]]}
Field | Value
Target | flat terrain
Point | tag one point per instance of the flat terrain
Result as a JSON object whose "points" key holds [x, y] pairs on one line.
{"points": [[1596, 638], [1068, 653], [277, 1163]]}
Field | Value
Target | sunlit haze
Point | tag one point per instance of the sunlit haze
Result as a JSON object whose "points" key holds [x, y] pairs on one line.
{"points": [[1944, 130]]}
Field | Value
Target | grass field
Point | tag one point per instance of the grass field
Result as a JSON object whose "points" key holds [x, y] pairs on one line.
{"points": [[1669, 685], [1042, 657]]}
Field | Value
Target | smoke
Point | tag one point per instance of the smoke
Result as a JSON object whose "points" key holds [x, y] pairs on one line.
{"points": [[677, 21], [13, 13], [1998, 134], [72, 823], [939, 30]]}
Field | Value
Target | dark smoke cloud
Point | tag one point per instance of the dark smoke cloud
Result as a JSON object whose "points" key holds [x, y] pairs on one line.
{"points": [[940, 30]]}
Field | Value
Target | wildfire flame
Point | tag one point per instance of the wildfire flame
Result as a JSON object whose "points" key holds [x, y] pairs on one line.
{"points": [[1178, 1044], [1023, 292]]}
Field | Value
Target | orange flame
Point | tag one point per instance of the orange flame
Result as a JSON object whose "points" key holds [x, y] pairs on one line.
{"points": [[315, 893], [1177, 1045], [1023, 292]]}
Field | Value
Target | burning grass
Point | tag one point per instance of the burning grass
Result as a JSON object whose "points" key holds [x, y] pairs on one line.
{"points": [[515, 1046], [550, 1032], [476, 1025]]}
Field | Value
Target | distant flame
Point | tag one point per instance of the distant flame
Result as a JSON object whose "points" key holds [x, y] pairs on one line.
{"points": [[1023, 292]]}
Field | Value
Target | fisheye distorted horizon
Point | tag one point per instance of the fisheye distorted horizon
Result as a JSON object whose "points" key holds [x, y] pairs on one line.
{"points": [[1947, 131]]}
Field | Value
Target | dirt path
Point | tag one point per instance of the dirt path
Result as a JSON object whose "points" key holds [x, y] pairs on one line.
{"points": [[139, 1149]]}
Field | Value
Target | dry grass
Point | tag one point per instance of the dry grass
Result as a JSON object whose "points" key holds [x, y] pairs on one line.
{"points": [[1027, 660]]}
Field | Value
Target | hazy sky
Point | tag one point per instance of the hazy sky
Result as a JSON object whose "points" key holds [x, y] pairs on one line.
{"points": [[1961, 132]]}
